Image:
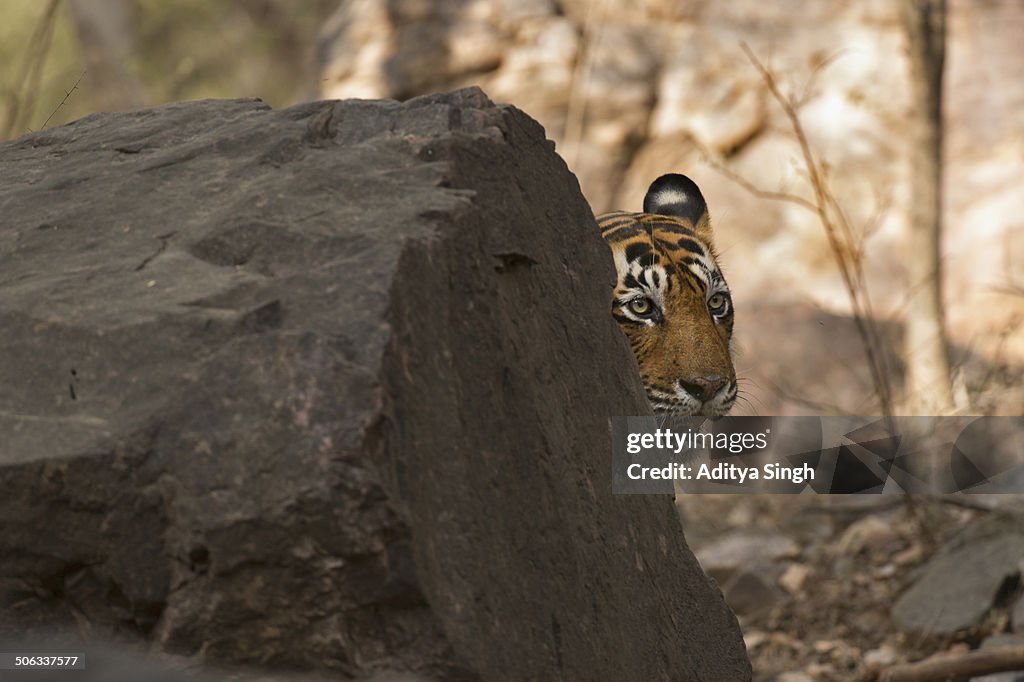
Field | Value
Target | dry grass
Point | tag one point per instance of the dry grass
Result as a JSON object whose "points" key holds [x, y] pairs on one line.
{"points": [[18, 105]]}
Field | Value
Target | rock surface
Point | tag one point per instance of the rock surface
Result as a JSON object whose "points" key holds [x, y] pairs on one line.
{"points": [[963, 582], [328, 388], [733, 552]]}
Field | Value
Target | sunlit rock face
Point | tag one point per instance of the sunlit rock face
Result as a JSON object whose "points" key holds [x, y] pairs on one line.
{"points": [[631, 90]]}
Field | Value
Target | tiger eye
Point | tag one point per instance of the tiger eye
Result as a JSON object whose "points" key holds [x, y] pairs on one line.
{"points": [[640, 306], [716, 302]]}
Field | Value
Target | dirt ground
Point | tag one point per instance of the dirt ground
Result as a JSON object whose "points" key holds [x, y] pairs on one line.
{"points": [[814, 579]]}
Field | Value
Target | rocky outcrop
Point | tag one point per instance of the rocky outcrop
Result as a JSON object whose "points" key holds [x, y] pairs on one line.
{"points": [[328, 387]]}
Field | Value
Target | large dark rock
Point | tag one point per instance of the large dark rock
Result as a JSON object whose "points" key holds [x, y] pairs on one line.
{"points": [[958, 587], [328, 387]]}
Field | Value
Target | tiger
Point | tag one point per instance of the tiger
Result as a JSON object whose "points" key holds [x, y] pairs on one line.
{"points": [[672, 301]]}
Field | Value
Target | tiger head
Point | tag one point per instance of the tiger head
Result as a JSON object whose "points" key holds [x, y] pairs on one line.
{"points": [[672, 301]]}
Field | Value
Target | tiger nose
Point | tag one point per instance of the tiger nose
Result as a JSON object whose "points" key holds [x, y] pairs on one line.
{"points": [[703, 388]]}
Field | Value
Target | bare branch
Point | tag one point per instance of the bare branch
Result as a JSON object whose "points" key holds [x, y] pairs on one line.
{"points": [[972, 664], [749, 186], [67, 94], [846, 249], [813, 79]]}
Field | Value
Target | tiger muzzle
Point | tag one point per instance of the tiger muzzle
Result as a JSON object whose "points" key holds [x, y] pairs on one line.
{"points": [[703, 388]]}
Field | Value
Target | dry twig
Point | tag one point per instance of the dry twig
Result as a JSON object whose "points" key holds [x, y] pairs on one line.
{"points": [[846, 248], [67, 94], [951, 669]]}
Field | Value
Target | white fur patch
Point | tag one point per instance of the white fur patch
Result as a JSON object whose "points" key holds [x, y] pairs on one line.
{"points": [[671, 196]]}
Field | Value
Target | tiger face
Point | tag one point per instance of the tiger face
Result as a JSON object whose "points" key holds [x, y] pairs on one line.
{"points": [[672, 301]]}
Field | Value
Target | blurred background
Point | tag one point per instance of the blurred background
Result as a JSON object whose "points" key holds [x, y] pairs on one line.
{"points": [[633, 89], [801, 123]]}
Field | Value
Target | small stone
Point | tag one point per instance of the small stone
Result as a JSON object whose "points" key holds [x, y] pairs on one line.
{"points": [[750, 591], [754, 639], [844, 655], [740, 516], [793, 578], [820, 671], [788, 641], [723, 558], [886, 571], [823, 646], [794, 676], [881, 657], [868, 533], [910, 555]]}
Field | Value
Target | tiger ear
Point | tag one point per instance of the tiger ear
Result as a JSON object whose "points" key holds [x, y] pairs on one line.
{"points": [[677, 195]]}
